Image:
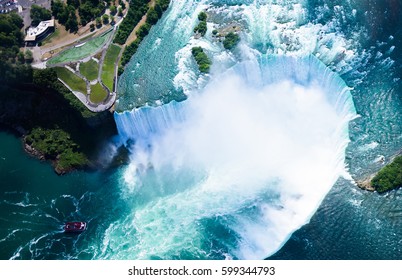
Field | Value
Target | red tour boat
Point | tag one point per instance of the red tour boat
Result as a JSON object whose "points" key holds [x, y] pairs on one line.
{"points": [[75, 227]]}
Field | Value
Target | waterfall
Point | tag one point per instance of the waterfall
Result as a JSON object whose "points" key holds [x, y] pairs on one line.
{"points": [[249, 157]]}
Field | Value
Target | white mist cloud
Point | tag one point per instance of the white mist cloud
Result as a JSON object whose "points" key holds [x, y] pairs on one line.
{"points": [[278, 147], [254, 134]]}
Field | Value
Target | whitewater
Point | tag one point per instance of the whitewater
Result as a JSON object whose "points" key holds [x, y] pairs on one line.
{"points": [[257, 159], [246, 159]]}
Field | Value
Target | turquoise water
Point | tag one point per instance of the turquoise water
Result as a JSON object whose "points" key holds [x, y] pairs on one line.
{"points": [[260, 154], [35, 203], [241, 162]]}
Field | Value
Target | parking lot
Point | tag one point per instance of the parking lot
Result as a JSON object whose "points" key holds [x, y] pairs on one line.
{"points": [[26, 7], [23, 7], [7, 6]]}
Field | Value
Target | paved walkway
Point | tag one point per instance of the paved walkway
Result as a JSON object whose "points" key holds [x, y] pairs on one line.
{"points": [[93, 107], [84, 98]]}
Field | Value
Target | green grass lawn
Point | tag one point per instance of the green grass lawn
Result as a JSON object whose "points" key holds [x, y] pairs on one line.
{"points": [[89, 69], [76, 53], [49, 38], [72, 80], [109, 66], [98, 93]]}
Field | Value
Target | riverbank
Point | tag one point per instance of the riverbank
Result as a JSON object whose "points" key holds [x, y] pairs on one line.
{"points": [[53, 129], [388, 178]]}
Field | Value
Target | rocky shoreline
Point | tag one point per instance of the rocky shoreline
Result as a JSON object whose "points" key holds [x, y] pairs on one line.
{"points": [[30, 150], [40, 156], [365, 184]]}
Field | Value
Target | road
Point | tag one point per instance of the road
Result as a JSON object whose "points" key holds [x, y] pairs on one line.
{"points": [[38, 52]]}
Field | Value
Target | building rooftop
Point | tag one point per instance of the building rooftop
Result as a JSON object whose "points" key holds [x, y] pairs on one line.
{"points": [[34, 32]]}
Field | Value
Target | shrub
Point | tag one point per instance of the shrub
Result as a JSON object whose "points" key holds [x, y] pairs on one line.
{"points": [[105, 19], [39, 14], [152, 16], [113, 10], [390, 177], [201, 28], [231, 40], [202, 16], [202, 59]]}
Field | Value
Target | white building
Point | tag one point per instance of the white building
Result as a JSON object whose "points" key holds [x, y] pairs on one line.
{"points": [[35, 34]]}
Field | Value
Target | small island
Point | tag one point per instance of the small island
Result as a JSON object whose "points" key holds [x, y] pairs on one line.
{"points": [[231, 40], [58, 81], [388, 178], [204, 63], [201, 28]]}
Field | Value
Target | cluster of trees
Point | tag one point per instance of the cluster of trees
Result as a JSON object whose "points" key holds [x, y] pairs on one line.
{"points": [[39, 14], [390, 177], [48, 82], [14, 66], [201, 28], [231, 40], [65, 13], [204, 63], [136, 10], [57, 123], [102, 20], [88, 10], [131, 49], [162, 5], [57, 144], [153, 15]]}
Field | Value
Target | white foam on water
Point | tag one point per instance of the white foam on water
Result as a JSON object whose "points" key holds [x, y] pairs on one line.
{"points": [[274, 27], [273, 140]]}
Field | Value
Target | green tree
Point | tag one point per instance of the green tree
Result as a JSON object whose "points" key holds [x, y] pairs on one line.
{"points": [[202, 16], [28, 56], [11, 39], [72, 23], [143, 30], [122, 5], [46, 78], [63, 15], [39, 14], [201, 28], [16, 20], [120, 12], [21, 57], [202, 59], [231, 40], [152, 16], [158, 10], [113, 10], [98, 22], [164, 4], [105, 19], [390, 177], [75, 3], [10, 33], [57, 8]]}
